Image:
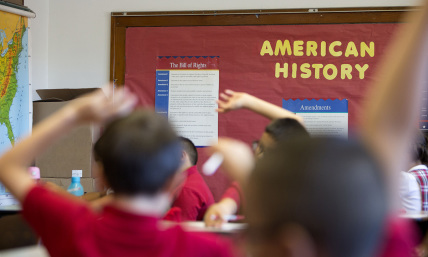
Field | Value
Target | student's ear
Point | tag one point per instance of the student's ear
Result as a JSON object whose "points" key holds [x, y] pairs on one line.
{"points": [[297, 242], [185, 161], [183, 155]]}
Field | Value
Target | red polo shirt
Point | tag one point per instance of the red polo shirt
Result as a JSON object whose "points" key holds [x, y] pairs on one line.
{"points": [[193, 200], [234, 192], [71, 228], [400, 239]]}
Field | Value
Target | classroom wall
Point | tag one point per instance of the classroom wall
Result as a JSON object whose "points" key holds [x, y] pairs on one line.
{"points": [[71, 39], [38, 38]]}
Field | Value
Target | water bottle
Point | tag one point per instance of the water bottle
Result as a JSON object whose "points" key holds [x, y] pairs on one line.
{"points": [[75, 188]]}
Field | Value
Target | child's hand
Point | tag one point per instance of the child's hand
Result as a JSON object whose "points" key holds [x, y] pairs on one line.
{"points": [[232, 101], [100, 106], [238, 158], [216, 213]]}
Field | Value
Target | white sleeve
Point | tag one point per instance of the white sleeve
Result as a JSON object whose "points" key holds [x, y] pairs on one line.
{"points": [[410, 192]]}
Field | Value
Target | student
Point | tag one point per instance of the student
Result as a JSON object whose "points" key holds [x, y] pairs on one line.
{"points": [[284, 125], [331, 197], [413, 186], [313, 197], [239, 100], [140, 155], [194, 197]]}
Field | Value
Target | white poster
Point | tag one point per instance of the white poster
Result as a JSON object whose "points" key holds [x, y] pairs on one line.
{"points": [[186, 93], [321, 117]]}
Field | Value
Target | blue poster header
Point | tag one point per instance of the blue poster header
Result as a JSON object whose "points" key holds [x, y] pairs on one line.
{"points": [[316, 106], [162, 93]]}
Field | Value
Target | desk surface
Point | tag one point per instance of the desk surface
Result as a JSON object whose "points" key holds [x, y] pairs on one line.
{"points": [[34, 251], [11, 208], [199, 226], [417, 215]]}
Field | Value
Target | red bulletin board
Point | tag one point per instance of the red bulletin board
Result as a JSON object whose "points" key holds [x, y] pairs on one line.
{"points": [[243, 68], [251, 60]]}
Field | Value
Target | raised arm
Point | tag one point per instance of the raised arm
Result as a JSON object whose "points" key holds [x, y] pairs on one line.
{"points": [[392, 108], [94, 107], [238, 161], [231, 100]]}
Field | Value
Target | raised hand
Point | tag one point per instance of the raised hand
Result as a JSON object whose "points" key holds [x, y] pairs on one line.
{"points": [[231, 100], [95, 107], [100, 106], [238, 158]]}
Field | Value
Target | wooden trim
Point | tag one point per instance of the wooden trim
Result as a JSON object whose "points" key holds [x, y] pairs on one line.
{"points": [[122, 20], [268, 11], [119, 57], [112, 48], [18, 2]]}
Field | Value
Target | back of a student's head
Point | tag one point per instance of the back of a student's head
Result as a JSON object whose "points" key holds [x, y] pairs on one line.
{"points": [[419, 152], [331, 189], [286, 128], [190, 150], [280, 130], [139, 153]]}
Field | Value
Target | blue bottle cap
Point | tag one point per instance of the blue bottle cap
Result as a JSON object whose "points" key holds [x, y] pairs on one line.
{"points": [[75, 179]]}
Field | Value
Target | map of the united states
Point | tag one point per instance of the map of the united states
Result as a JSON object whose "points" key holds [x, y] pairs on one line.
{"points": [[14, 93], [14, 85]]}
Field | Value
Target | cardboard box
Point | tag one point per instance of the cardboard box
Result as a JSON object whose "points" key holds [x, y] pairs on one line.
{"points": [[73, 152], [88, 184]]}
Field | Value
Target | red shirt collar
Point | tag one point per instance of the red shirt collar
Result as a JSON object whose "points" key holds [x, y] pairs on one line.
{"points": [[192, 170]]}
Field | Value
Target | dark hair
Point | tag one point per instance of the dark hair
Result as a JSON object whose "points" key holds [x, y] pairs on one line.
{"points": [[330, 187], [286, 128], [190, 149], [419, 148], [139, 153]]}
